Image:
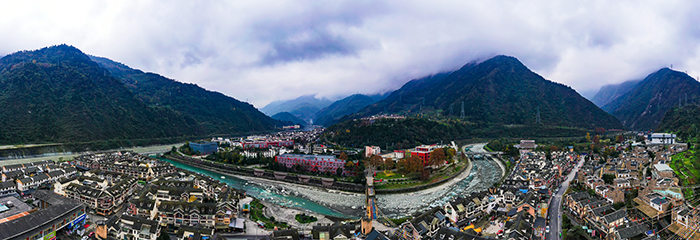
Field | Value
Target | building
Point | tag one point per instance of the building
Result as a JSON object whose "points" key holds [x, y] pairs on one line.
{"points": [[312, 163], [662, 138], [54, 213], [372, 150], [204, 148], [526, 146], [662, 171], [423, 152], [248, 143], [137, 227]]}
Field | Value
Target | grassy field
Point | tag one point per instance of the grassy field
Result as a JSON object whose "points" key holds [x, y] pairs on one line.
{"points": [[388, 175], [686, 165], [256, 214]]}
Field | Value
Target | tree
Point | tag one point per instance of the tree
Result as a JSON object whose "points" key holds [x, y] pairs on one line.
{"points": [[450, 153], [437, 157], [349, 164], [343, 156], [163, 235], [388, 164], [424, 175], [588, 137], [596, 139], [608, 178], [374, 161], [339, 172], [411, 164]]}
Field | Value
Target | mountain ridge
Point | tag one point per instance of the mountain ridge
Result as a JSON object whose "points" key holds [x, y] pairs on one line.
{"points": [[610, 92], [57, 94], [643, 107], [214, 111], [499, 90]]}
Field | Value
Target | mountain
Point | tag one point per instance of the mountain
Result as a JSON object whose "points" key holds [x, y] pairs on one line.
{"points": [[304, 107], [643, 107], [349, 105], [610, 92], [395, 101], [500, 90], [57, 94], [288, 117], [346, 106], [683, 121], [213, 112]]}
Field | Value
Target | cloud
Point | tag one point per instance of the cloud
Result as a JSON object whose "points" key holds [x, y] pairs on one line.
{"points": [[261, 51]]}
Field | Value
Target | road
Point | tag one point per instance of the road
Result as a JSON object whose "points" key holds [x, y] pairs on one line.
{"points": [[554, 213]]}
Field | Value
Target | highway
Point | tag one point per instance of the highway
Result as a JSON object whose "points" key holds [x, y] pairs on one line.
{"points": [[555, 213]]}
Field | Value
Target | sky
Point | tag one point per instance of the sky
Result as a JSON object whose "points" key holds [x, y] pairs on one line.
{"points": [[262, 51]]}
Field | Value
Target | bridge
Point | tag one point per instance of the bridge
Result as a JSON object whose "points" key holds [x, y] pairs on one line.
{"points": [[373, 213]]}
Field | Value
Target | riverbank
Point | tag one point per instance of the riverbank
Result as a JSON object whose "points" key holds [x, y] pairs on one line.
{"points": [[308, 180], [500, 164], [67, 156]]}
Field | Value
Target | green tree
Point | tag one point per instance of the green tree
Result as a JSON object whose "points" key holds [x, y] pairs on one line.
{"points": [[608, 178], [163, 235]]}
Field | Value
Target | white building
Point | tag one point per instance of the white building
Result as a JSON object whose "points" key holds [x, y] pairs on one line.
{"points": [[372, 150], [662, 138]]}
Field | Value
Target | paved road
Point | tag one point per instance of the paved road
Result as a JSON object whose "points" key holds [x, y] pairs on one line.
{"points": [[554, 213]]}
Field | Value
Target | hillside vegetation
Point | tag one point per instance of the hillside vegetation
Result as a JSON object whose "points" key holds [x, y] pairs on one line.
{"points": [[643, 107], [409, 132], [500, 90]]}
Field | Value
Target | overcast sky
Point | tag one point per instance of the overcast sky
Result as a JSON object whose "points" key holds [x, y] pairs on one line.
{"points": [[261, 51]]}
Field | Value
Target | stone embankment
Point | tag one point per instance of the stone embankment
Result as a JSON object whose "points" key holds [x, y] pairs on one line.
{"points": [[327, 183]]}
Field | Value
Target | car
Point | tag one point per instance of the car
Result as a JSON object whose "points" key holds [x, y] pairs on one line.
{"points": [[547, 231], [91, 234]]}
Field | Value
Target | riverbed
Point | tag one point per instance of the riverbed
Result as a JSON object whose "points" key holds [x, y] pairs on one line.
{"points": [[485, 172]]}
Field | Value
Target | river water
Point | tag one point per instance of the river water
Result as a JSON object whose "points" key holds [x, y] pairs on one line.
{"points": [[484, 173]]}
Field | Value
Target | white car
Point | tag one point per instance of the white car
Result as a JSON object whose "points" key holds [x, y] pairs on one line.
{"points": [[547, 229]]}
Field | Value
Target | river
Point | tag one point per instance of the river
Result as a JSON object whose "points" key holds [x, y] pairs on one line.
{"points": [[485, 172]]}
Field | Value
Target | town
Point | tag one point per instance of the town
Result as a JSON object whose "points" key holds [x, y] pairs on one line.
{"points": [[540, 195]]}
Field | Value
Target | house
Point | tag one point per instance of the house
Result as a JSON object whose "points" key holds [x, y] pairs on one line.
{"points": [[614, 220], [662, 171], [194, 233], [137, 226], [662, 138], [25, 184], [335, 232], [660, 204], [12, 176], [374, 235], [7, 188]]}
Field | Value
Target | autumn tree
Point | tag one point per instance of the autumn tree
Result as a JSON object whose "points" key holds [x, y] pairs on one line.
{"points": [[437, 157], [424, 175], [349, 165], [596, 139], [343, 156], [388, 164], [411, 164], [374, 161], [450, 153]]}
